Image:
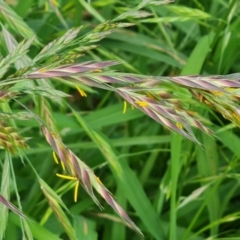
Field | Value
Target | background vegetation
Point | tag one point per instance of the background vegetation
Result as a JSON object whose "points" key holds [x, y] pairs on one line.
{"points": [[171, 187]]}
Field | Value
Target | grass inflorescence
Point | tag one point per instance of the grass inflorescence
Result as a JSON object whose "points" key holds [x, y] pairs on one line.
{"points": [[144, 89]]}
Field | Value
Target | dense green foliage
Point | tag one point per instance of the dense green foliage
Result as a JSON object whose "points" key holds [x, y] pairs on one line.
{"points": [[173, 186]]}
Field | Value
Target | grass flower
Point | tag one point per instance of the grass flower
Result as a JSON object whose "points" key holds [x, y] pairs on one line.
{"points": [[81, 92], [79, 171], [11, 140]]}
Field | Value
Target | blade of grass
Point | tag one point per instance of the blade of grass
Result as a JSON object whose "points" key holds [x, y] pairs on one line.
{"points": [[39, 232], [198, 55], [5, 192], [207, 160], [176, 144]]}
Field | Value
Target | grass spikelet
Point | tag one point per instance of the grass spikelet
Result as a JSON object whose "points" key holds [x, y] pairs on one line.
{"points": [[157, 3], [82, 49], [134, 14], [16, 22], [10, 140], [209, 83], [45, 112], [57, 45], [103, 30], [160, 112], [18, 116], [163, 104], [20, 50], [53, 94], [70, 70], [78, 169]]}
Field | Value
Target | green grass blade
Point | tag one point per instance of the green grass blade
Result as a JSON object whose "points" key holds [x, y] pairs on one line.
{"points": [[176, 144], [198, 56], [39, 232], [5, 192]]}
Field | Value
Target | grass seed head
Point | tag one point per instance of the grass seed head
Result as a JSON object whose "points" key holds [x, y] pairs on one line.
{"points": [[10, 140], [86, 177]]}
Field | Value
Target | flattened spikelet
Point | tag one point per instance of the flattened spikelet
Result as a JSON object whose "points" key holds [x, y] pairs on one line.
{"points": [[10, 140], [85, 175]]}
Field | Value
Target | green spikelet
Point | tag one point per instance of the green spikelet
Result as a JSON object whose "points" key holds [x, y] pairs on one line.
{"points": [[10, 140]]}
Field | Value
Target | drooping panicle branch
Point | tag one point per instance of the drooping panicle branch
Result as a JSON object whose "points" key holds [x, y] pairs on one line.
{"points": [[85, 175]]}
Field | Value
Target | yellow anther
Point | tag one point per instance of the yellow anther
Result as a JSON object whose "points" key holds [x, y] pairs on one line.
{"points": [[217, 93], [63, 166], [57, 162], [124, 107], [55, 158], [229, 89], [76, 186], [82, 93], [142, 103], [66, 177], [42, 70], [98, 180], [76, 191], [96, 71], [179, 125]]}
